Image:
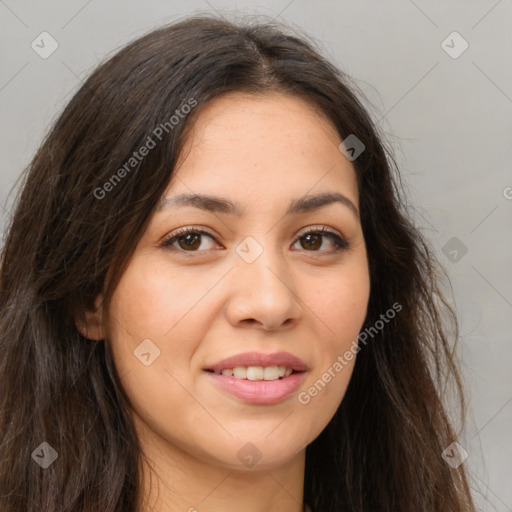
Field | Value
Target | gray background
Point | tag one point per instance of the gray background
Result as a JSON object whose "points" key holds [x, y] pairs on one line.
{"points": [[448, 120]]}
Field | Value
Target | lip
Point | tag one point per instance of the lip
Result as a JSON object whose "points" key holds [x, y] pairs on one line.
{"points": [[259, 392], [259, 359]]}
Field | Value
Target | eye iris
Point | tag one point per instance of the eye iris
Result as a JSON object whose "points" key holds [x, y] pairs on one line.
{"points": [[193, 238], [312, 238], [192, 241]]}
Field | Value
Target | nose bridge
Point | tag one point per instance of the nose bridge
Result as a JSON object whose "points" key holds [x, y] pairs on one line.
{"points": [[263, 289], [262, 264]]}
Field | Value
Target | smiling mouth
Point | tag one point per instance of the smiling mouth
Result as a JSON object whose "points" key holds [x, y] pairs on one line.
{"points": [[266, 373], [256, 378]]}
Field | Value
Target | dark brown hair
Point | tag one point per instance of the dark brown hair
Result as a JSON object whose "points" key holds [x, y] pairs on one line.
{"points": [[382, 449]]}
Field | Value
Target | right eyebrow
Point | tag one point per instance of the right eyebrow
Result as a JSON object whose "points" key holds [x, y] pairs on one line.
{"points": [[220, 205]]}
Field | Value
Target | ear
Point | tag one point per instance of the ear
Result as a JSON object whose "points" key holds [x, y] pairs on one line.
{"points": [[91, 325]]}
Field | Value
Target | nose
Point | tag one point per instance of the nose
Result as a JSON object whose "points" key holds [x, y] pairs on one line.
{"points": [[263, 294]]}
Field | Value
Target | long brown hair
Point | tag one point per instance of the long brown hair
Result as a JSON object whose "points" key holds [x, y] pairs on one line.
{"points": [[74, 223]]}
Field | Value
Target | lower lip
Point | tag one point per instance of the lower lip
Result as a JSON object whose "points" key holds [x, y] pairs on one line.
{"points": [[259, 392]]}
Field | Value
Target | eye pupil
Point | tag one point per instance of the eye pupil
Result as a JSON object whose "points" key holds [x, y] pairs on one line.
{"points": [[311, 239], [190, 239]]}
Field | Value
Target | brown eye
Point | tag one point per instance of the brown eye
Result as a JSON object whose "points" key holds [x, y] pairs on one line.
{"points": [[191, 239], [312, 241], [188, 240]]}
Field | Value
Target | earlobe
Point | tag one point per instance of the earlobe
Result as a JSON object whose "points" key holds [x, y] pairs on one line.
{"points": [[91, 325]]}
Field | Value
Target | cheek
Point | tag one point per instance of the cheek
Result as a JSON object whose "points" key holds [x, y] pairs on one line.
{"points": [[341, 306], [154, 332], [155, 301], [145, 307]]}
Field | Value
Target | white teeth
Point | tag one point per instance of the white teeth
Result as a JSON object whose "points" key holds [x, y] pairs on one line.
{"points": [[257, 372], [254, 372], [271, 373], [240, 372]]}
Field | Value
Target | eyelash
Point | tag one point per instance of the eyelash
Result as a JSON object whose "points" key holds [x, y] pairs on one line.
{"points": [[340, 243]]}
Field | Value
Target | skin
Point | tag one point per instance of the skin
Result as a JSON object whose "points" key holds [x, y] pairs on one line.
{"points": [[200, 307]]}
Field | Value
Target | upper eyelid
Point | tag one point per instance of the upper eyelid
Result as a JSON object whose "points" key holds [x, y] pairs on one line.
{"points": [[205, 231]]}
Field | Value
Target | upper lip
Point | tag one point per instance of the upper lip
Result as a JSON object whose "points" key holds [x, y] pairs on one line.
{"points": [[258, 359]]}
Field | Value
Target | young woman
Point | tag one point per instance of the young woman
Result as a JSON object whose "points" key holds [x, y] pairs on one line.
{"points": [[212, 298]]}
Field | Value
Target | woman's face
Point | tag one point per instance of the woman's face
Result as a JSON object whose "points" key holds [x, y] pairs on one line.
{"points": [[248, 291]]}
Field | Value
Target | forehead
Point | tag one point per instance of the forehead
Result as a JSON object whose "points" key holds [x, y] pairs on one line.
{"points": [[270, 145]]}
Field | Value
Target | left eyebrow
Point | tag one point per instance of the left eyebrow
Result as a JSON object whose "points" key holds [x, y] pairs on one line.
{"points": [[220, 205], [315, 202]]}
